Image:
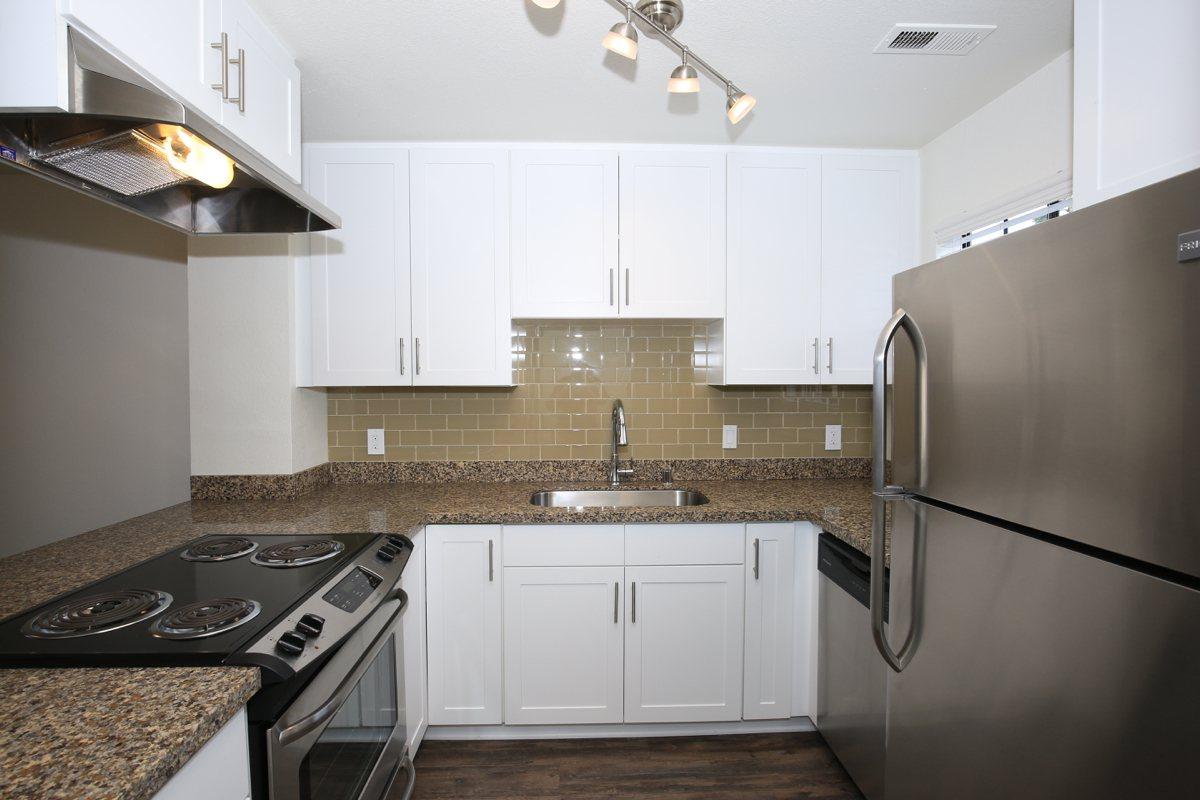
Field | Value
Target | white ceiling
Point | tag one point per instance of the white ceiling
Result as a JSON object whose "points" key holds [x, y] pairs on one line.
{"points": [[508, 70]]}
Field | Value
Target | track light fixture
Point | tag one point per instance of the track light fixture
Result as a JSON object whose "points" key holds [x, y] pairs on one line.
{"points": [[663, 17]]}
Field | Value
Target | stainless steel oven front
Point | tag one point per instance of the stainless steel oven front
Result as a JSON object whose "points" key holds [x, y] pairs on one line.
{"points": [[344, 736]]}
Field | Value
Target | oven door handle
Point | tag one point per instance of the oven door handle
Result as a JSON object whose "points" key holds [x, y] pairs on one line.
{"points": [[307, 724]]}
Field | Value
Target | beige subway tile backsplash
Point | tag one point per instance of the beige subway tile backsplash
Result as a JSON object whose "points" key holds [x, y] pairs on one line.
{"points": [[568, 373]]}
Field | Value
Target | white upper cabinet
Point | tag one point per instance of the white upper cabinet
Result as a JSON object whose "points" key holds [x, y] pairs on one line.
{"points": [[564, 233], [460, 267], [869, 225], [1137, 76], [773, 317], [360, 273], [173, 47], [265, 81], [672, 234]]}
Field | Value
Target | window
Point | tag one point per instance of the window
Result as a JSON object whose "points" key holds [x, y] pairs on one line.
{"points": [[1010, 224]]}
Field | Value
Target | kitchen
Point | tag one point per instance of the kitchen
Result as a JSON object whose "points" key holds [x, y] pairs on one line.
{"points": [[432, 400]]}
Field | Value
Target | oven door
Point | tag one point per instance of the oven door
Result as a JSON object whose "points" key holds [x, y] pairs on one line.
{"points": [[343, 737]]}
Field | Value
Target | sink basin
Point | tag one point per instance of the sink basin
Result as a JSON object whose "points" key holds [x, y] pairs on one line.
{"points": [[618, 498]]}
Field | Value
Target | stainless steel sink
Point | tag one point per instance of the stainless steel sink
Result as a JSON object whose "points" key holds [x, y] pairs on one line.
{"points": [[618, 498]]}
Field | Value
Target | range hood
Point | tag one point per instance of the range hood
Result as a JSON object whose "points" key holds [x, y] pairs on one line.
{"points": [[124, 142]]}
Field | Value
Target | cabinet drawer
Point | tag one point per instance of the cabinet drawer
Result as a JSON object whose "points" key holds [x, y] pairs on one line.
{"points": [[699, 543], [563, 545]]}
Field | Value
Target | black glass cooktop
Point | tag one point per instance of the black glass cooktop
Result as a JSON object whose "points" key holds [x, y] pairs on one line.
{"points": [[197, 604]]}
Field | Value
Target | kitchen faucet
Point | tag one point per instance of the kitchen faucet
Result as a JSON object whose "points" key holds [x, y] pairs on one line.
{"points": [[620, 436]]}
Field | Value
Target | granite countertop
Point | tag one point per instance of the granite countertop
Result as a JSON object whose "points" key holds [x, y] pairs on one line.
{"points": [[120, 734]]}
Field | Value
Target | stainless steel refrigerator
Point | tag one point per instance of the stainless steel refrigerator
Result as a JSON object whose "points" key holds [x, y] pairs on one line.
{"points": [[1042, 416]]}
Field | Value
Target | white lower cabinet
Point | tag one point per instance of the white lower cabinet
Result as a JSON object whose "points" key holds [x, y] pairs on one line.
{"points": [[770, 619], [684, 644], [416, 699], [220, 770], [595, 624], [563, 644], [462, 573]]}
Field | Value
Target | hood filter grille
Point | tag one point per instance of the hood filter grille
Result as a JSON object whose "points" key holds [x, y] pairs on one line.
{"points": [[126, 163]]}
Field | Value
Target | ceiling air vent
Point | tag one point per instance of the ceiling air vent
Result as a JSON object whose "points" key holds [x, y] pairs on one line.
{"points": [[941, 40]]}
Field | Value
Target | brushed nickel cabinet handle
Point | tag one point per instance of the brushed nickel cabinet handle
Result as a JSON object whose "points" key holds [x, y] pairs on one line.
{"points": [[223, 47], [401, 355], [633, 603], [616, 599], [241, 65], [627, 286], [611, 296], [830, 364], [417, 353], [756, 548], [491, 562], [816, 356]]}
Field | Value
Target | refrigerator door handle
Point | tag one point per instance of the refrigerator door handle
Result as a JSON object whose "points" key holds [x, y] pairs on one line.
{"points": [[882, 493]]}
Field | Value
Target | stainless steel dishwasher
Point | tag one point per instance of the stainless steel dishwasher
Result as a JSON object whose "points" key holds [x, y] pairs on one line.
{"points": [[851, 678]]}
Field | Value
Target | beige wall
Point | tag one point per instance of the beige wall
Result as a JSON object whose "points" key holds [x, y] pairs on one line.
{"points": [[568, 375], [93, 331], [247, 416], [1014, 146]]}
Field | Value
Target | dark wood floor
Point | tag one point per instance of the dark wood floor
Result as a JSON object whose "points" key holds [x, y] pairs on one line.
{"points": [[767, 766]]}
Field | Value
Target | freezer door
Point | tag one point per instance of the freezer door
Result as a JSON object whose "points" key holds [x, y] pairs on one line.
{"points": [[1064, 377], [1038, 673]]}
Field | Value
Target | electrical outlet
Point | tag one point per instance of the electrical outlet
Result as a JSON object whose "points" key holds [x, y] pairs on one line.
{"points": [[729, 437], [833, 437], [374, 441]]}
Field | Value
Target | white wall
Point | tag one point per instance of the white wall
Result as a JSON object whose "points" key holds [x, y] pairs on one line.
{"points": [[93, 337], [1137, 81], [1014, 146], [247, 417]]}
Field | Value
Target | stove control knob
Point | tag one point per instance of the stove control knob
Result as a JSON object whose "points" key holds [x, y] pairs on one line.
{"points": [[291, 643], [385, 553], [396, 541], [310, 625]]}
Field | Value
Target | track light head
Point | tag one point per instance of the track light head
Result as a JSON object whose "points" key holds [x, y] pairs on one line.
{"points": [[739, 105], [546, 3], [684, 80], [622, 39]]}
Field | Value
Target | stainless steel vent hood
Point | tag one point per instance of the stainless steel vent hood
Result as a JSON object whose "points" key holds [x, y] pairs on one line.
{"points": [[126, 143]]}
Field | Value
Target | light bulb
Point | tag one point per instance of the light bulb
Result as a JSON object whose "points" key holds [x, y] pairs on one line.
{"points": [[545, 3], [195, 157], [622, 40], [740, 104], [684, 80]]}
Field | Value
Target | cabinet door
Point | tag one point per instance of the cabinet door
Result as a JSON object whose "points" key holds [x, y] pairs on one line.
{"points": [[462, 574], [563, 645], [360, 273], [416, 700], [773, 317], [869, 233], [268, 81], [460, 268], [672, 234], [564, 233], [171, 47], [770, 593], [683, 639]]}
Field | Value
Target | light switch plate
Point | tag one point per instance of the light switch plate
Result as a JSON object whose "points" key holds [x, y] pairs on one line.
{"points": [[729, 437], [374, 441], [833, 437]]}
